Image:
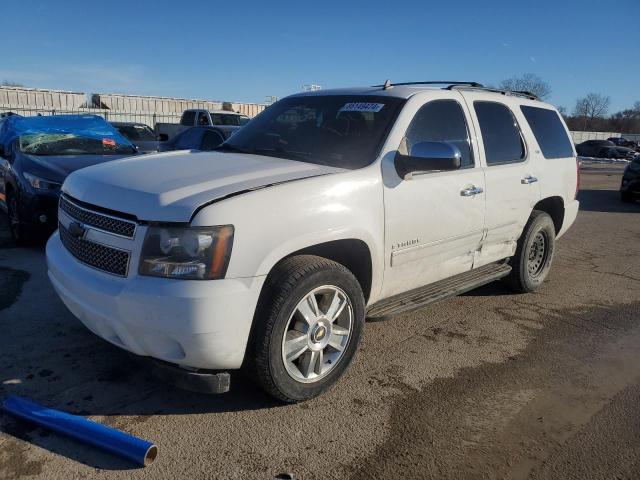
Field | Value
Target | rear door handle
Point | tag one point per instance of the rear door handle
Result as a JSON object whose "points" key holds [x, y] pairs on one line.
{"points": [[528, 179], [471, 191]]}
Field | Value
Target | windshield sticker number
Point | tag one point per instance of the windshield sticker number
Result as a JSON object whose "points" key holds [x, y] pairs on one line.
{"points": [[362, 107]]}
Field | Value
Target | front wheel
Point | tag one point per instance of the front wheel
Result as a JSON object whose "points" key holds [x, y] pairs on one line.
{"points": [[534, 254], [308, 327]]}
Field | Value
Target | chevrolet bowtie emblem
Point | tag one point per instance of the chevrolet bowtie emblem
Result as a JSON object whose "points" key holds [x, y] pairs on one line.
{"points": [[77, 230]]}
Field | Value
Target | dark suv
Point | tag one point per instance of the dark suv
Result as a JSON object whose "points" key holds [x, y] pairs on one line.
{"points": [[630, 187], [604, 149]]}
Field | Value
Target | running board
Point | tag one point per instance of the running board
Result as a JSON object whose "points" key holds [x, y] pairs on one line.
{"points": [[449, 287]]}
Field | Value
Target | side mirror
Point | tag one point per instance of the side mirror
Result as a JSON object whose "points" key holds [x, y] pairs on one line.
{"points": [[427, 157], [162, 137]]}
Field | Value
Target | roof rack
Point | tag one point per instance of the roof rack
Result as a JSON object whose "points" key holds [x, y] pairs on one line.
{"points": [[470, 85], [388, 84], [515, 93]]}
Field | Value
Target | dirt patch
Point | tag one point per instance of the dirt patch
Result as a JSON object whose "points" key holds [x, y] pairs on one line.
{"points": [[503, 420], [11, 283]]}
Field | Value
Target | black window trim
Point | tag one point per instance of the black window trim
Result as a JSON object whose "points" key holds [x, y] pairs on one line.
{"points": [[525, 158], [466, 124]]}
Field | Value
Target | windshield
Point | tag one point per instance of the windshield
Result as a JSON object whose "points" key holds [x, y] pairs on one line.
{"points": [[137, 133], [343, 131], [72, 144]]}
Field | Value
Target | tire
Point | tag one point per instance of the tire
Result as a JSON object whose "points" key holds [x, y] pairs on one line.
{"points": [[16, 226], [627, 197], [285, 320], [534, 254]]}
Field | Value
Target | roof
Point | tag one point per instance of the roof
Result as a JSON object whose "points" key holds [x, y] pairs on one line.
{"points": [[406, 91]]}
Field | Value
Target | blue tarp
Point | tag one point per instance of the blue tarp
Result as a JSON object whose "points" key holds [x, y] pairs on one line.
{"points": [[89, 126]]}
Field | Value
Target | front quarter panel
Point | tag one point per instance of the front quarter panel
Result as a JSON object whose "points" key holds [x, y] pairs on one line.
{"points": [[276, 221]]}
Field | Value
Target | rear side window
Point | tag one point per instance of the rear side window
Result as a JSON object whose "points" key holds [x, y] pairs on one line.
{"points": [[549, 132], [500, 133], [188, 118], [441, 121]]}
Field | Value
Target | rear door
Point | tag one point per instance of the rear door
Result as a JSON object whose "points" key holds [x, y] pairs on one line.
{"points": [[512, 187]]}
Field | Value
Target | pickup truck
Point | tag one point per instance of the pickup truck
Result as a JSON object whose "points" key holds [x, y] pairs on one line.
{"points": [[330, 207], [196, 117]]}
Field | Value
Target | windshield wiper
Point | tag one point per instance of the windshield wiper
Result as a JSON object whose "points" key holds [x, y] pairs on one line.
{"points": [[282, 153]]}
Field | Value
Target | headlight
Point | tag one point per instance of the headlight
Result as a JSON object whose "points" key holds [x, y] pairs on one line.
{"points": [[200, 253], [40, 183]]}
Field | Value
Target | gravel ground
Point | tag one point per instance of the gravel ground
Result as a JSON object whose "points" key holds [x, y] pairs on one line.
{"points": [[486, 385]]}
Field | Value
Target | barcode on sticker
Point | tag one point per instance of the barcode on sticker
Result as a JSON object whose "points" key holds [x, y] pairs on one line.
{"points": [[362, 107]]}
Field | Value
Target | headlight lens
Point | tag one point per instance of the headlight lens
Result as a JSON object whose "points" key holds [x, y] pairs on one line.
{"points": [[200, 253], [40, 183]]}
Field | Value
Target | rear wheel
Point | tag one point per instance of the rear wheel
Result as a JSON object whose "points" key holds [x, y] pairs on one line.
{"points": [[309, 327], [534, 254]]}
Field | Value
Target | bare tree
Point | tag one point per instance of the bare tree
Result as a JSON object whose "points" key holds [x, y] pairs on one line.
{"points": [[591, 107], [529, 82], [562, 110]]}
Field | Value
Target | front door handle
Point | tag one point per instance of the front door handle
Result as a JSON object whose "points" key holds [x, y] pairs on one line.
{"points": [[528, 180], [471, 191]]}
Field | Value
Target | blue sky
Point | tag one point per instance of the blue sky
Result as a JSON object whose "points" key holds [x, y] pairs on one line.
{"points": [[246, 50]]}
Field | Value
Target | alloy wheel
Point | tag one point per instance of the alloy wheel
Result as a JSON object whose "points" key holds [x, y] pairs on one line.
{"points": [[317, 334]]}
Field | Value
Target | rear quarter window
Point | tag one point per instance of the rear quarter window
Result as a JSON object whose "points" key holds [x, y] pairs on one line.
{"points": [[549, 132]]}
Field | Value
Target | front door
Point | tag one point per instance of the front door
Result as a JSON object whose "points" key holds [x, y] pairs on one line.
{"points": [[433, 222]]}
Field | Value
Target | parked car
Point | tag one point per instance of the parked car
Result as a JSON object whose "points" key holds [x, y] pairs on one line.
{"points": [[604, 149], [199, 138], [329, 207], [140, 135], [199, 118], [624, 142], [37, 154], [630, 186]]}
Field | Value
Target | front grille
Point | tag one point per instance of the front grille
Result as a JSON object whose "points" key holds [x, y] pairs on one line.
{"points": [[103, 222], [107, 259]]}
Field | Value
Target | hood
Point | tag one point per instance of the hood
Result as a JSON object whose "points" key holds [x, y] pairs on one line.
{"points": [[57, 167], [170, 186]]}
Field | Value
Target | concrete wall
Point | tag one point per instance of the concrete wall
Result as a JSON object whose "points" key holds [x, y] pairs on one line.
{"points": [[579, 137], [21, 97], [112, 106]]}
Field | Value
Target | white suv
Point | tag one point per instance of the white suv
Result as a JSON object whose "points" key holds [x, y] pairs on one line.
{"points": [[327, 208]]}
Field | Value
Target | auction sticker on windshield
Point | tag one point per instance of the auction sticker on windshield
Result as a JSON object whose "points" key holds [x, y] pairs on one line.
{"points": [[362, 107]]}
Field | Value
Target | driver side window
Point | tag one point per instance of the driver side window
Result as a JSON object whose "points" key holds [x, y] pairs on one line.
{"points": [[441, 121]]}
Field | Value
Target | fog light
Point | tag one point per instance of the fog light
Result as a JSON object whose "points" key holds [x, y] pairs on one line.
{"points": [[42, 218]]}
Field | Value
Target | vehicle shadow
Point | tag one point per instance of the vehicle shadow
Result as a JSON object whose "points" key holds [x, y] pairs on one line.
{"points": [[493, 289], [605, 201]]}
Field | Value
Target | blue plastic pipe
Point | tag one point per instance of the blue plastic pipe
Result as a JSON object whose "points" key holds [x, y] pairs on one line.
{"points": [[117, 442]]}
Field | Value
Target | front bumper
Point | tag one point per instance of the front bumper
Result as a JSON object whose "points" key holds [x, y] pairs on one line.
{"points": [[630, 184], [193, 323]]}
